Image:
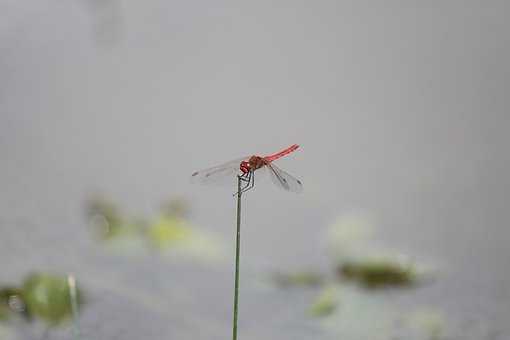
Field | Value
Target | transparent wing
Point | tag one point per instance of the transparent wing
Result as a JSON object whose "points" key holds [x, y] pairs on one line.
{"points": [[283, 179], [221, 174]]}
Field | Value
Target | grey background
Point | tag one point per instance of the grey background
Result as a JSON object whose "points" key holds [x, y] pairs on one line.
{"points": [[400, 108]]}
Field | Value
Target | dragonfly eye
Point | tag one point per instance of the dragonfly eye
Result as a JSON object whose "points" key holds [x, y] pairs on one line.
{"points": [[244, 167]]}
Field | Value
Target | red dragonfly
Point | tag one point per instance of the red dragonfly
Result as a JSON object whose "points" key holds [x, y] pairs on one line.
{"points": [[245, 168]]}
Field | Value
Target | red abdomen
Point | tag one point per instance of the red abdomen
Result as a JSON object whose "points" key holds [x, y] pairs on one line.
{"points": [[282, 153]]}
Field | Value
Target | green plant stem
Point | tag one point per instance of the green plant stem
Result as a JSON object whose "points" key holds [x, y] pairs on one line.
{"points": [[71, 281], [238, 240]]}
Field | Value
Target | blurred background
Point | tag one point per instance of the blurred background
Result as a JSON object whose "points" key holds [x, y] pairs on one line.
{"points": [[401, 111]]}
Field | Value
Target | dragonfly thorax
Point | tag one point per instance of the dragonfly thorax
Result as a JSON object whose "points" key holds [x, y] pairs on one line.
{"points": [[254, 163]]}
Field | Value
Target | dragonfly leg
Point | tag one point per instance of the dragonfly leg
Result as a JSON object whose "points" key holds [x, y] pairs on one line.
{"points": [[251, 182], [247, 178]]}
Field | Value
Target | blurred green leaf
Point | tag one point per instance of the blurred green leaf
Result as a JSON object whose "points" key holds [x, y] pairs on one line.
{"points": [[374, 273], [12, 302], [168, 230], [105, 216], [325, 304], [48, 298]]}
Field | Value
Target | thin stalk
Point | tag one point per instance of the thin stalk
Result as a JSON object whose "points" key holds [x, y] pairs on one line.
{"points": [[238, 240], [71, 281]]}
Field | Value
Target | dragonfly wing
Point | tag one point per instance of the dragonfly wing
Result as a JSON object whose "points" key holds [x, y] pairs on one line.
{"points": [[284, 180], [221, 174]]}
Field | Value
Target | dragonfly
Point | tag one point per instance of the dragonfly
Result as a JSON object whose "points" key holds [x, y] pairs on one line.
{"points": [[246, 167]]}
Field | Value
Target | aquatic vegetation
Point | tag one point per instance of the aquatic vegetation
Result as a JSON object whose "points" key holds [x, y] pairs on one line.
{"points": [[375, 272], [175, 236], [359, 258], [169, 233], [326, 303], [348, 312], [359, 315], [346, 309], [41, 296], [298, 279], [12, 303], [105, 216], [48, 297]]}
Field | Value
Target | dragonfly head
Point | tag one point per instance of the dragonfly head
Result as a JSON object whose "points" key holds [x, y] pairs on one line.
{"points": [[244, 167]]}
